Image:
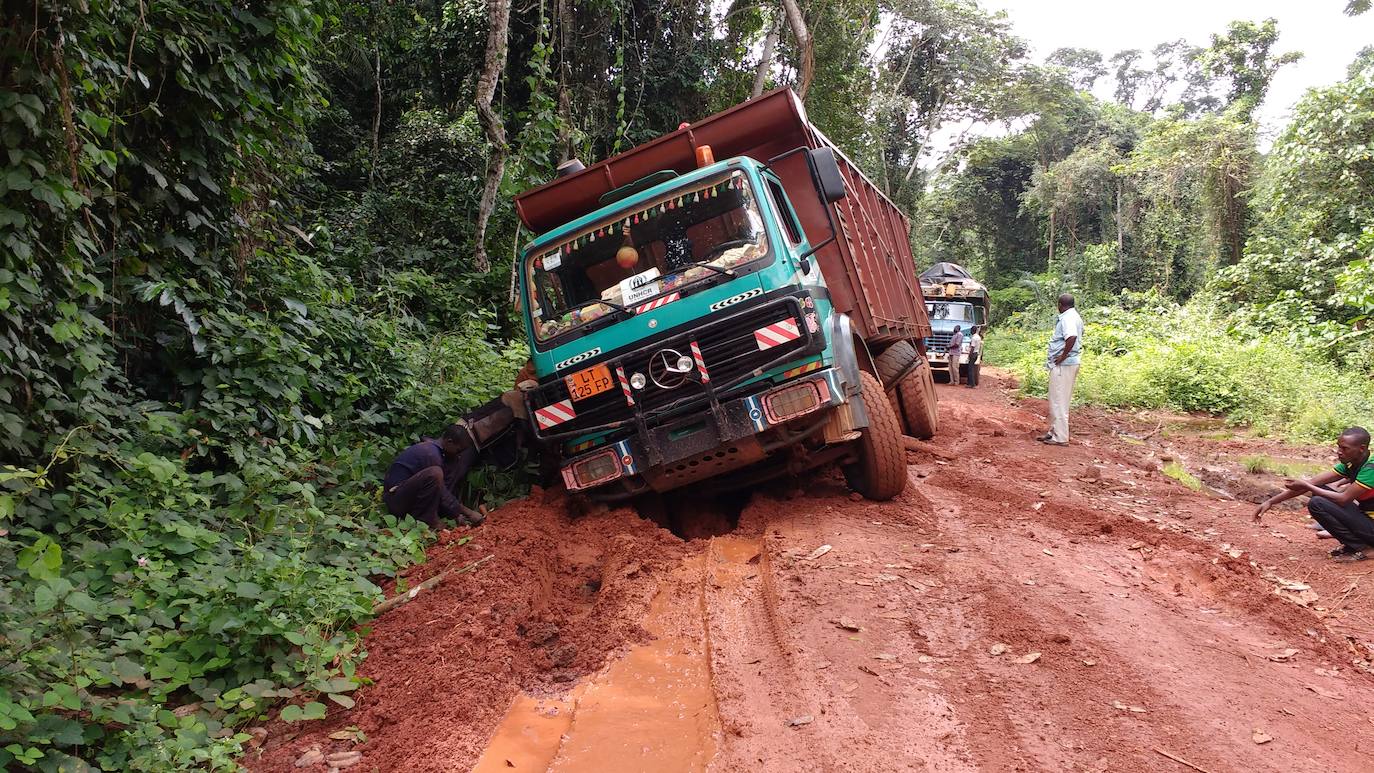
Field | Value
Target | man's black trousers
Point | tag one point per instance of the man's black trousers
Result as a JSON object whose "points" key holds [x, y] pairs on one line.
{"points": [[418, 496], [1350, 525]]}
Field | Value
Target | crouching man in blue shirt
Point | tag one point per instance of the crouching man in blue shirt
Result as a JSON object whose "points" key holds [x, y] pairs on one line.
{"points": [[424, 480]]}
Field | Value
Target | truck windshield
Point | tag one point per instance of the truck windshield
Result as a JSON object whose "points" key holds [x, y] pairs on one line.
{"points": [[955, 312], [654, 251]]}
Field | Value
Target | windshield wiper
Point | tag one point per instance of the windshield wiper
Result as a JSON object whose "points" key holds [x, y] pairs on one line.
{"points": [[717, 269], [612, 304]]}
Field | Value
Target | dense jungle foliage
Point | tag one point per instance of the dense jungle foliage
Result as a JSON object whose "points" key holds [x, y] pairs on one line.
{"points": [[242, 266]]}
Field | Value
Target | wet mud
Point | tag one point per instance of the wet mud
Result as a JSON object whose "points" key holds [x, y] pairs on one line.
{"points": [[1020, 607]]}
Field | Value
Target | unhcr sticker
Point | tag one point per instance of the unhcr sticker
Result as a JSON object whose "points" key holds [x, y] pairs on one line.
{"points": [[732, 300], [579, 358]]}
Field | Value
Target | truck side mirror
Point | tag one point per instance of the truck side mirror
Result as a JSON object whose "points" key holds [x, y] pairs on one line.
{"points": [[825, 173]]}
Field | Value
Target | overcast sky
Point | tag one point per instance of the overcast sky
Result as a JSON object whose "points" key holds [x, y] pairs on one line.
{"points": [[1327, 37]]}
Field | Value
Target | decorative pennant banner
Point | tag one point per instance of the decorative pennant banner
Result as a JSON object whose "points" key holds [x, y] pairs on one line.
{"points": [[713, 191]]}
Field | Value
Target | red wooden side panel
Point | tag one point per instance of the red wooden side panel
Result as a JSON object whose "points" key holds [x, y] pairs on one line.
{"points": [[875, 252]]}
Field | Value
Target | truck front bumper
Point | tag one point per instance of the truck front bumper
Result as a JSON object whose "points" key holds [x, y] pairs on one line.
{"points": [[710, 443]]}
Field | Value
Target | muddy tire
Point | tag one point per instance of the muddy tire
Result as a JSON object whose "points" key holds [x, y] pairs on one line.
{"points": [[880, 472], [894, 359], [916, 396]]}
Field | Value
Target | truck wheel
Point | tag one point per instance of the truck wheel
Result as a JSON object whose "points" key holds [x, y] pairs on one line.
{"points": [[894, 359], [880, 472], [916, 393]]}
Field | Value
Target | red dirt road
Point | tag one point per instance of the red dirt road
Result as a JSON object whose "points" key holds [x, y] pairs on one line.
{"points": [[1020, 607]]}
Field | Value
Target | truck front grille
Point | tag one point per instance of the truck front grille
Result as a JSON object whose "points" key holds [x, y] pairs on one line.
{"points": [[728, 348], [938, 341]]}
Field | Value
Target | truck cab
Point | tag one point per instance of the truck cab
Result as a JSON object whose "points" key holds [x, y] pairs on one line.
{"points": [[697, 286]]}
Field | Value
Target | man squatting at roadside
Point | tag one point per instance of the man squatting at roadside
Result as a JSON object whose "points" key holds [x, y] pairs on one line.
{"points": [[424, 480], [1344, 512]]}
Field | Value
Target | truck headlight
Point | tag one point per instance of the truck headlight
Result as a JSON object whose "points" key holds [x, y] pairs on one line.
{"points": [[596, 469], [789, 402], [638, 381]]}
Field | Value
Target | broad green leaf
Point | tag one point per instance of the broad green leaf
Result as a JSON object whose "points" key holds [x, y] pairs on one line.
{"points": [[128, 671], [44, 599], [314, 710]]}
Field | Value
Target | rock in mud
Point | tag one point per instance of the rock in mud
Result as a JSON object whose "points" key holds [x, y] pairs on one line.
{"points": [[563, 655], [259, 737], [541, 633], [344, 759], [312, 756]]}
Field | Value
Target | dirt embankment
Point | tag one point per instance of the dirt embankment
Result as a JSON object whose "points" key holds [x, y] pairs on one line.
{"points": [[559, 596], [1020, 607]]}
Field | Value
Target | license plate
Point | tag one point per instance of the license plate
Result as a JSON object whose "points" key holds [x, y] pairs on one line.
{"points": [[589, 382]]}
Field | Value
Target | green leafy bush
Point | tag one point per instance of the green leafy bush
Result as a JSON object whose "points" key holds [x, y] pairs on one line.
{"points": [[1158, 354], [199, 389]]}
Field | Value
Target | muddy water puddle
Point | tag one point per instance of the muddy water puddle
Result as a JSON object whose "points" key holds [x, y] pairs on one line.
{"points": [[654, 708]]}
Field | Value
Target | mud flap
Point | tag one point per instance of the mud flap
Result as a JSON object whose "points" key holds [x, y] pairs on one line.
{"points": [[846, 358]]}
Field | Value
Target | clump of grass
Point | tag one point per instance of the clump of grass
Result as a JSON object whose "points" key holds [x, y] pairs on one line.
{"points": [[1259, 464], [1177, 472]]}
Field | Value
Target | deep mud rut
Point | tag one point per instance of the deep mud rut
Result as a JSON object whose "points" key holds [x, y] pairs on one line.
{"points": [[1020, 607]]}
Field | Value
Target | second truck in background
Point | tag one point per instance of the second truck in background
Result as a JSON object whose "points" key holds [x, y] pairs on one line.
{"points": [[953, 299]]}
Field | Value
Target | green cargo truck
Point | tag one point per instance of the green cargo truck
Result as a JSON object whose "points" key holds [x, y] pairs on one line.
{"points": [[713, 323]]}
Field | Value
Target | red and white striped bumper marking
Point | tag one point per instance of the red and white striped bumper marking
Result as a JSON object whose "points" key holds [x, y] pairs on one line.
{"points": [[553, 415], [777, 334], [662, 300], [625, 385], [701, 363]]}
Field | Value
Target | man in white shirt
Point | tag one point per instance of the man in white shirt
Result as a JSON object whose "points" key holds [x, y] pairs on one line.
{"points": [[975, 356], [1064, 349], [954, 351]]}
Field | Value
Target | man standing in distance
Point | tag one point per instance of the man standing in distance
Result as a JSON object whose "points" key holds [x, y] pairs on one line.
{"points": [[1062, 362], [954, 351], [975, 356]]}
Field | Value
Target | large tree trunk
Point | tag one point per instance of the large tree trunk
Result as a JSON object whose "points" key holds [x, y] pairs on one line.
{"points": [[376, 112], [804, 46], [566, 21], [1051, 258], [765, 62], [1120, 230], [499, 17]]}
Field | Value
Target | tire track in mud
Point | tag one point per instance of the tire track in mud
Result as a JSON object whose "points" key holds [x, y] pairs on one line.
{"points": [[753, 666], [861, 689]]}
